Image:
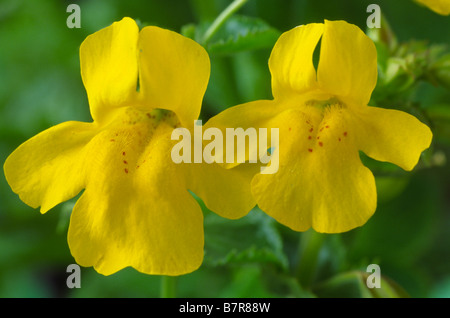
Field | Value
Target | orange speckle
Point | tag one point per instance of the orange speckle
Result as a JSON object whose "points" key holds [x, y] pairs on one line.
{"points": [[112, 140], [320, 144], [345, 133], [339, 139], [125, 162], [310, 150], [126, 170], [321, 129], [117, 135], [318, 137], [137, 167], [123, 153], [290, 128], [327, 126], [311, 129], [309, 137]]}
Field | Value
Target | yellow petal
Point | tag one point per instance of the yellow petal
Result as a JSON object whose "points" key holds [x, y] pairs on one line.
{"points": [[224, 191], [136, 210], [49, 168], [291, 60], [109, 67], [391, 135], [439, 6], [253, 114], [174, 73], [256, 114], [348, 63], [321, 182]]}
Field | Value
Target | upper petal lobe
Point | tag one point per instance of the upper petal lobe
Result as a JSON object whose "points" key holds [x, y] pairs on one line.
{"points": [[109, 68]]}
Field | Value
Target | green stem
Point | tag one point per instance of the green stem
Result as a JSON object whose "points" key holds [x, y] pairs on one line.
{"points": [[221, 19], [168, 286], [309, 248]]}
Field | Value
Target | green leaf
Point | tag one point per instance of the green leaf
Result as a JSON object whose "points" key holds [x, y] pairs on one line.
{"points": [[238, 34], [353, 285], [402, 229], [241, 33], [346, 285], [332, 258], [254, 281], [247, 282], [251, 239]]}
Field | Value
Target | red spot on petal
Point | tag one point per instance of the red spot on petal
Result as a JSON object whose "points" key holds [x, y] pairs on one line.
{"points": [[125, 162], [321, 129], [327, 126], [320, 144], [290, 128], [112, 140], [126, 170], [309, 137], [311, 129], [310, 150], [345, 133], [123, 153], [117, 135], [318, 137], [339, 139]]}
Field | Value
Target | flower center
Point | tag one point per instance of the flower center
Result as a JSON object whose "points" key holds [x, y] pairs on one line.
{"points": [[324, 104], [152, 118], [325, 124], [134, 134]]}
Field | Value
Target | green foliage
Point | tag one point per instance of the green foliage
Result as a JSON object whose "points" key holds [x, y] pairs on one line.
{"points": [[239, 33], [254, 256], [251, 239], [353, 285]]}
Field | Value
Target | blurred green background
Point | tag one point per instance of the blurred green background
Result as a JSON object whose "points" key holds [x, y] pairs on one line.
{"points": [[409, 236]]}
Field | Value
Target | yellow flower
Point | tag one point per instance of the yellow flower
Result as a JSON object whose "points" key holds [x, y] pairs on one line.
{"points": [[136, 209], [439, 6], [324, 122]]}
